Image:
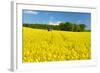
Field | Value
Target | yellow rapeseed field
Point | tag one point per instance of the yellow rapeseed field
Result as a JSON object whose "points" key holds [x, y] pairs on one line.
{"points": [[41, 45]]}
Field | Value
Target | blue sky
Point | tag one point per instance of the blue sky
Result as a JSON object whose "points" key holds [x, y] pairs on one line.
{"points": [[55, 17]]}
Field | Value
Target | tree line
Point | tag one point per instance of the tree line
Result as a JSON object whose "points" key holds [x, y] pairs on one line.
{"points": [[65, 26]]}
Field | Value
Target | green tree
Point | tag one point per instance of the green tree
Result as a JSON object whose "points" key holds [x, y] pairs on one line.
{"points": [[67, 26], [78, 28], [74, 27], [82, 27]]}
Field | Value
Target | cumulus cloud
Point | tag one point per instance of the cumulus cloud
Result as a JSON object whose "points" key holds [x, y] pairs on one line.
{"points": [[31, 12], [55, 23]]}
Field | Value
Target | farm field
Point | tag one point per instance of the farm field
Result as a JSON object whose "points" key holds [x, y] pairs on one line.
{"points": [[42, 45]]}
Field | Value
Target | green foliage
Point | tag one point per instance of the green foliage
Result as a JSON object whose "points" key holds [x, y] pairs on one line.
{"points": [[82, 26], [65, 26]]}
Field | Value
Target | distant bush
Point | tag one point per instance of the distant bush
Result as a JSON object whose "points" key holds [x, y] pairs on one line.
{"points": [[66, 26]]}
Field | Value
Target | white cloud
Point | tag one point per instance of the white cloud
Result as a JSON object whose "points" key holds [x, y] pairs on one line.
{"points": [[55, 23], [31, 12]]}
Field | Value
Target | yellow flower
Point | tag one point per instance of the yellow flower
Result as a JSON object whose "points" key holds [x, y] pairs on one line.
{"points": [[41, 45]]}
